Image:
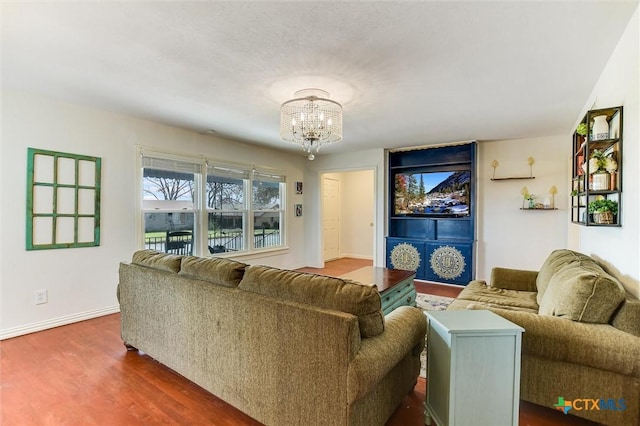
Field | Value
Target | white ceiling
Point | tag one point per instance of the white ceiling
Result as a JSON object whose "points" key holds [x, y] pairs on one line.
{"points": [[407, 73]]}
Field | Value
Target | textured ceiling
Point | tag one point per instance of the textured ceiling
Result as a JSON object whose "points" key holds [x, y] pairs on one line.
{"points": [[407, 73]]}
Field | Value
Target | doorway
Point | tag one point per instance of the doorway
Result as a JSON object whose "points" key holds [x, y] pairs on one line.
{"points": [[348, 214]]}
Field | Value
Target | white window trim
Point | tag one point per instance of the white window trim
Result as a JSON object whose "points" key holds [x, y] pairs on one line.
{"points": [[201, 242]]}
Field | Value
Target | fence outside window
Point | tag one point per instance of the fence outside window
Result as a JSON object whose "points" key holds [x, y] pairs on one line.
{"points": [[223, 242]]}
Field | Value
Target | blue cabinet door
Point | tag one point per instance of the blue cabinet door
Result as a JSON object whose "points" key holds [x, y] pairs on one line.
{"points": [[407, 254], [449, 262]]}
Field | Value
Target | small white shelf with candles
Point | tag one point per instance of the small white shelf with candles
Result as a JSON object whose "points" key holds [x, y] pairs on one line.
{"points": [[547, 204]]}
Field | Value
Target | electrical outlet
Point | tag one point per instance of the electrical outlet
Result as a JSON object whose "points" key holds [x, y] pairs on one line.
{"points": [[41, 297]]}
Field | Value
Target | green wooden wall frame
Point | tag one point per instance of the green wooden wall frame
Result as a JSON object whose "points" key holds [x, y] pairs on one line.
{"points": [[63, 200]]}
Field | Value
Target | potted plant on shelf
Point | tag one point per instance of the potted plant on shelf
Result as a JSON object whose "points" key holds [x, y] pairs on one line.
{"points": [[600, 167], [527, 199], [582, 129], [603, 211]]}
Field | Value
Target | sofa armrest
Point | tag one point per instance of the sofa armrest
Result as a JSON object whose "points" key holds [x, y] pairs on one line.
{"points": [[404, 333], [599, 346], [514, 279]]}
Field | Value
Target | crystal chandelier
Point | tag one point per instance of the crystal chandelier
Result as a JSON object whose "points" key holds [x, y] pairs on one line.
{"points": [[311, 120]]}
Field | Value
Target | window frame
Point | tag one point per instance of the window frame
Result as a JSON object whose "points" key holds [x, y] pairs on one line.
{"points": [[202, 210], [233, 172], [179, 207], [58, 211], [264, 176]]}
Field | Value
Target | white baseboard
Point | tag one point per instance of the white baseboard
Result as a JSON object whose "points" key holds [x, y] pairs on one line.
{"points": [[355, 256], [56, 322]]}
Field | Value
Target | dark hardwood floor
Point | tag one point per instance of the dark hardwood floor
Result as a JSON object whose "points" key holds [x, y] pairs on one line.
{"points": [[81, 374]]}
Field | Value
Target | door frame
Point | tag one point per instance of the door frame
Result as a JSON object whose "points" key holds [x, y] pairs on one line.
{"points": [[377, 215]]}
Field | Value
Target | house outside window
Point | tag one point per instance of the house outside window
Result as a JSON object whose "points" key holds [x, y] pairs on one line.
{"points": [[268, 213], [207, 207], [170, 193], [227, 209]]}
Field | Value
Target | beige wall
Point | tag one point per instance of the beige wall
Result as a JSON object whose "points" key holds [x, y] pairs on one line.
{"points": [[508, 236]]}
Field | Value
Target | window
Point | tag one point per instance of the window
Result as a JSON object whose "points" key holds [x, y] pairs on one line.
{"points": [[241, 209], [267, 207], [227, 209], [169, 203]]}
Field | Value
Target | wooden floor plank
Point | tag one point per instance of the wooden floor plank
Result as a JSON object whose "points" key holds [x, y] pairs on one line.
{"points": [[81, 374]]}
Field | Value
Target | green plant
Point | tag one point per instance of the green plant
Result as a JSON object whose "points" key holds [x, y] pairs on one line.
{"points": [[598, 162], [582, 129], [600, 206]]}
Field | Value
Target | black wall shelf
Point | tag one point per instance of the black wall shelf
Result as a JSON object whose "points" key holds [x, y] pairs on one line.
{"points": [[588, 150], [514, 178]]}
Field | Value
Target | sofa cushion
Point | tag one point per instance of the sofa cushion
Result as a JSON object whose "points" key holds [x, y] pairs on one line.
{"points": [[479, 291], [582, 291], [461, 304], [157, 260], [627, 316], [556, 261], [224, 272], [599, 346], [514, 279], [325, 292]]}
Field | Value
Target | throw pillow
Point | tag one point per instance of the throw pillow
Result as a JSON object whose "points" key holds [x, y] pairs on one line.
{"points": [[581, 292], [157, 260], [556, 261], [317, 290], [223, 272]]}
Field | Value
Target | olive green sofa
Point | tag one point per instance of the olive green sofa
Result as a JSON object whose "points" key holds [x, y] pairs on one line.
{"points": [[284, 347], [581, 341]]}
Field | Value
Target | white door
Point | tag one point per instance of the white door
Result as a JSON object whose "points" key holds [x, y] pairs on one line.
{"points": [[331, 218]]}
